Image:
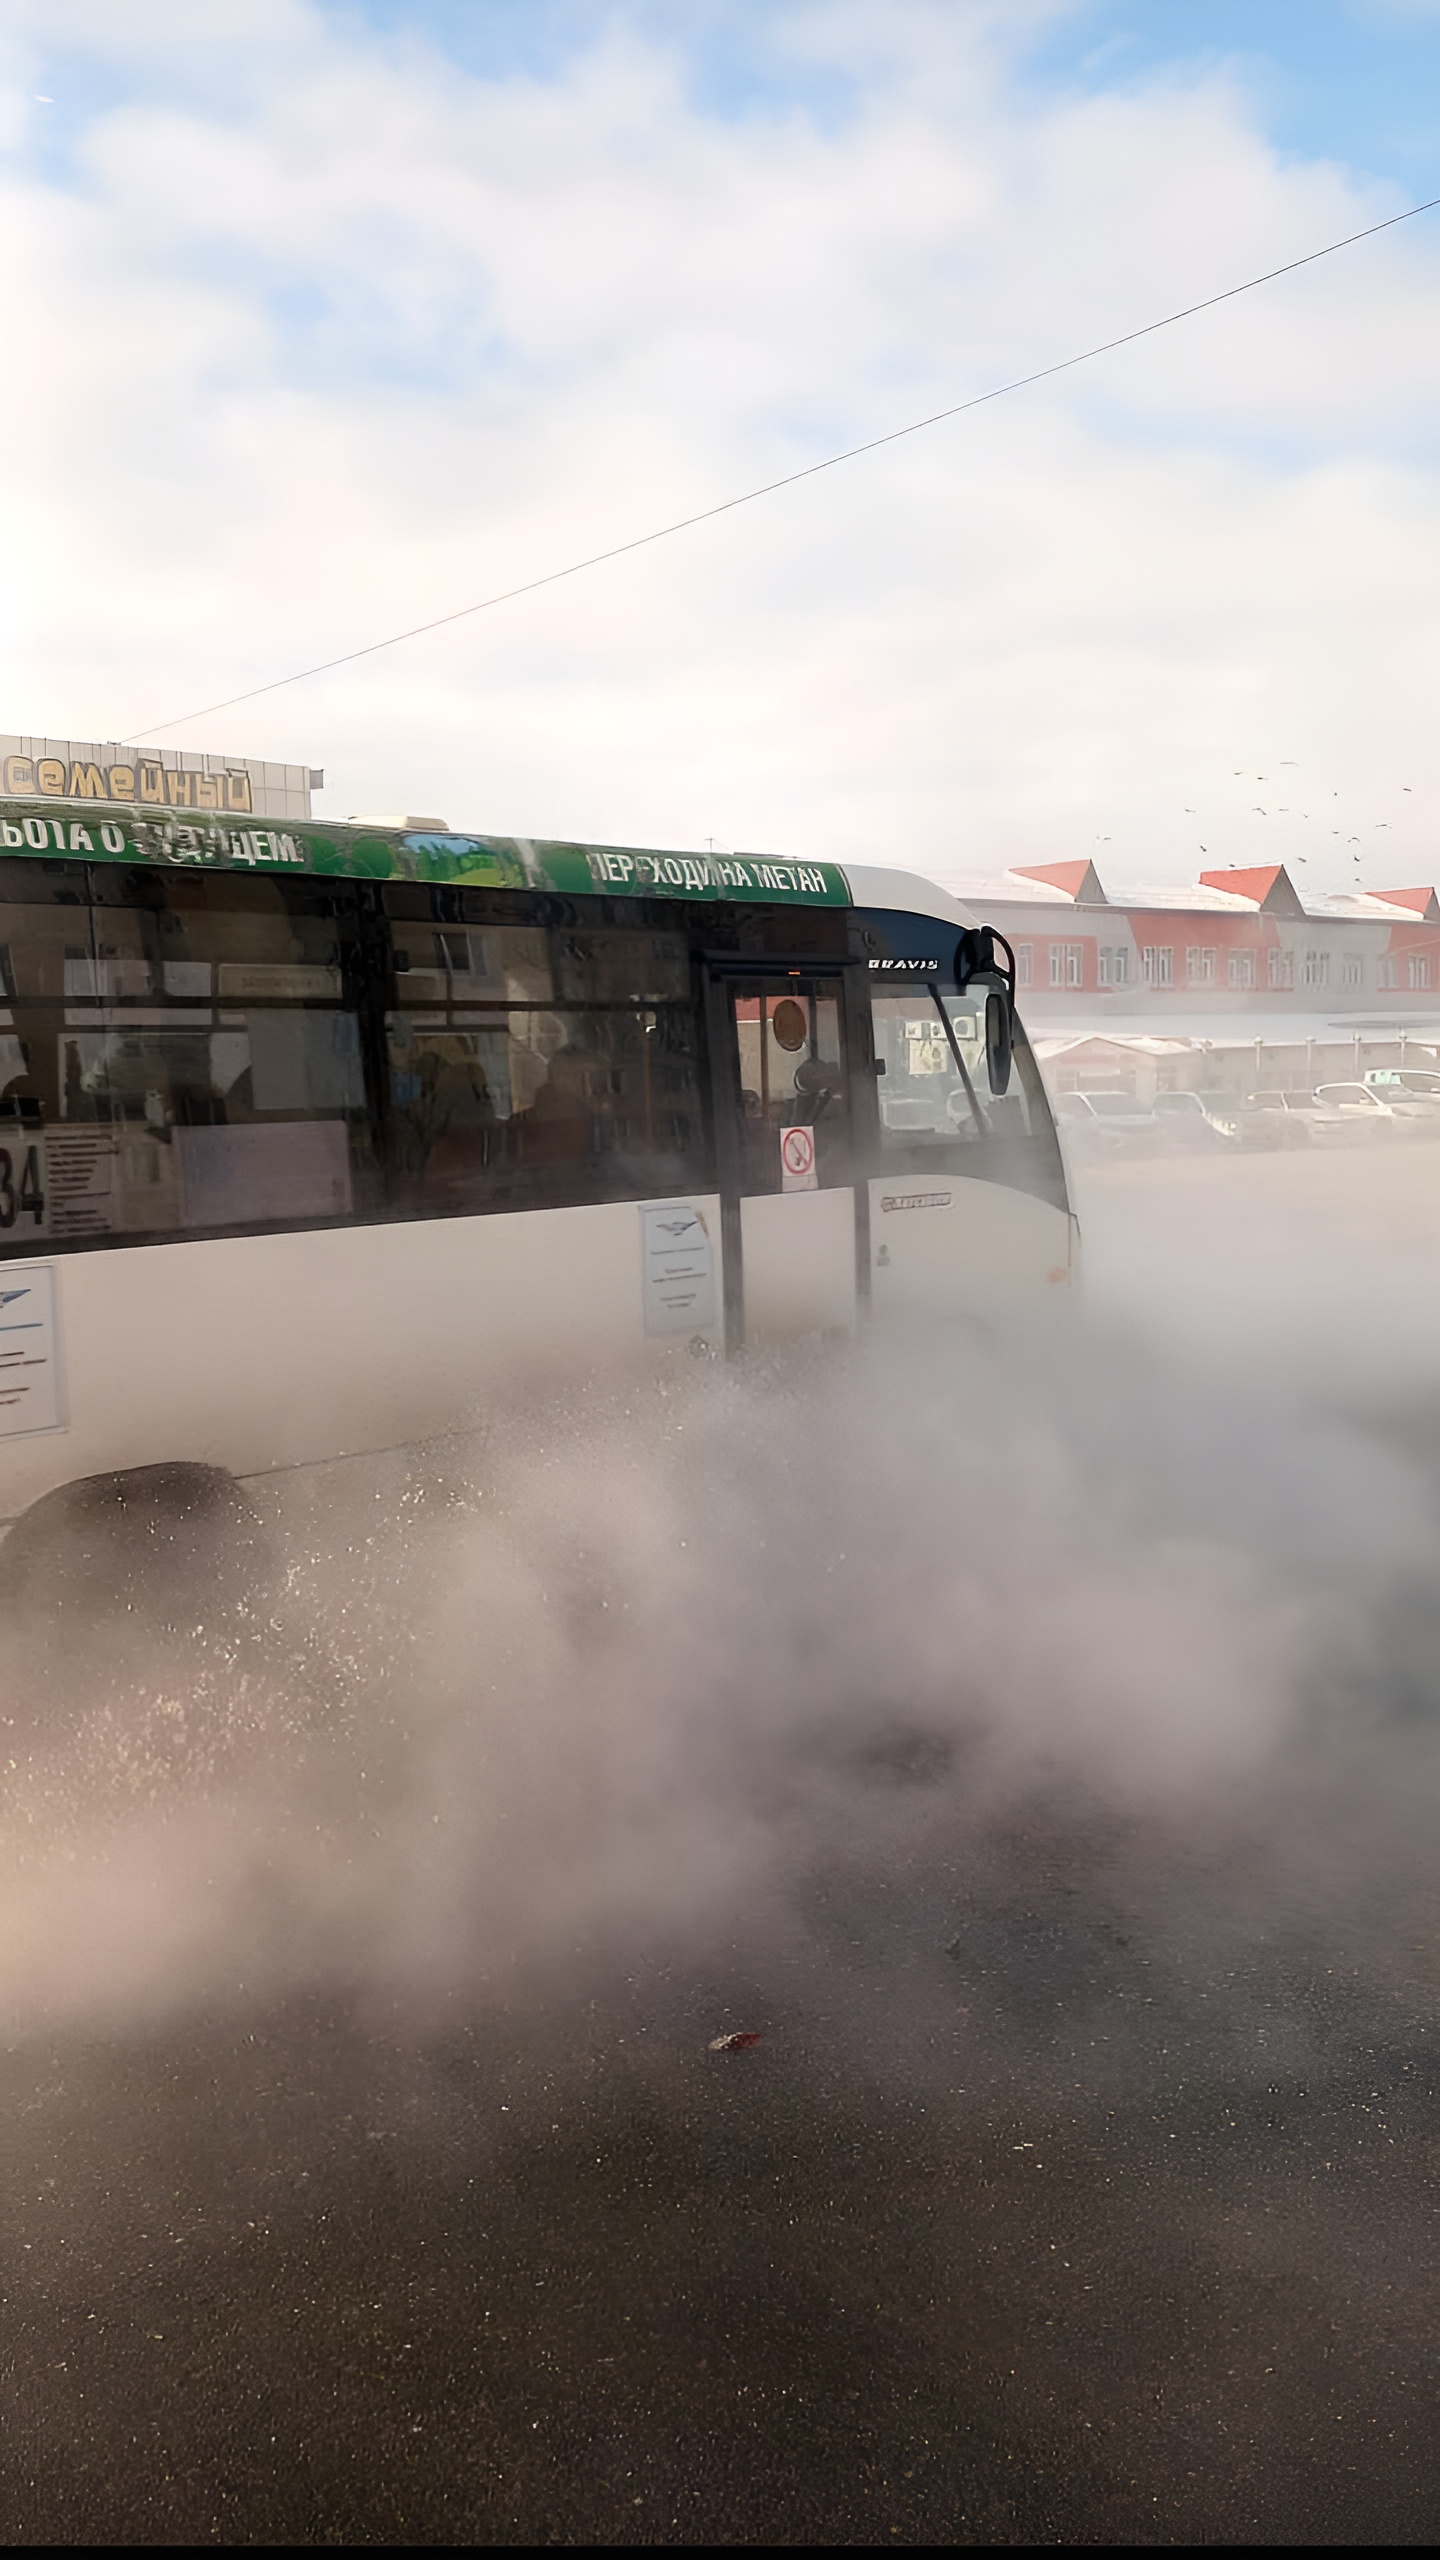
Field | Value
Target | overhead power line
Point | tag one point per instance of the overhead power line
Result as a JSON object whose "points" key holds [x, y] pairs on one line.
{"points": [[788, 479]]}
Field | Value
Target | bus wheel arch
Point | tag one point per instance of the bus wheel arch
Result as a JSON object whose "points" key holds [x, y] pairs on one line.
{"points": [[178, 1539]]}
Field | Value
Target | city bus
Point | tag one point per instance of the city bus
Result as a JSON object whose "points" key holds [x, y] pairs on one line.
{"points": [[323, 1139]]}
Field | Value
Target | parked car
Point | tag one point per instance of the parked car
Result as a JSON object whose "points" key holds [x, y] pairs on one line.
{"points": [[1196, 1122], [1264, 1121], [1331, 1116], [1108, 1123], [1412, 1093], [1364, 1113], [1411, 1084], [1279, 1120]]}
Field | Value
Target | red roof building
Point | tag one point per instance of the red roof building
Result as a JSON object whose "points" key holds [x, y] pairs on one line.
{"points": [[1237, 944]]}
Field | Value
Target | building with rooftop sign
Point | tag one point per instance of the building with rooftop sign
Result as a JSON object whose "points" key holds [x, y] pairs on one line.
{"points": [[154, 778]]}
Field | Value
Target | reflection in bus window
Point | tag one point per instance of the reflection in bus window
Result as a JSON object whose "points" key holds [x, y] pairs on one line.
{"points": [[925, 1102], [179, 1059], [440, 964], [246, 941], [932, 1115], [1022, 1112], [621, 968], [540, 1106]]}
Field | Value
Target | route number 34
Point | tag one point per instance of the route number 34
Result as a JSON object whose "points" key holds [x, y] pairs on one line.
{"points": [[22, 1193]]}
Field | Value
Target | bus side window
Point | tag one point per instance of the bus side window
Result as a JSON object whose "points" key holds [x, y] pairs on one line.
{"points": [[526, 1069], [181, 1059]]}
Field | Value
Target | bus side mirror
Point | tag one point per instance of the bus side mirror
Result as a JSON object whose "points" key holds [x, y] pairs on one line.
{"points": [[982, 951], [999, 1042]]}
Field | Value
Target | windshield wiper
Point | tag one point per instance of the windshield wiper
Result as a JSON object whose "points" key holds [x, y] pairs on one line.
{"points": [[982, 1120]]}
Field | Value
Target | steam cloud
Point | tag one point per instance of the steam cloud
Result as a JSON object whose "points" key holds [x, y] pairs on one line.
{"points": [[657, 1672]]}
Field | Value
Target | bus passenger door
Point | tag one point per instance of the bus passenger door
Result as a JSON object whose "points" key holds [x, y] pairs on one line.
{"points": [[783, 1077]]}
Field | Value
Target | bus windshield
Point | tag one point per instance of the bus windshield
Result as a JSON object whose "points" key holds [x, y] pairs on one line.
{"points": [[923, 1092], [936, 1112]]}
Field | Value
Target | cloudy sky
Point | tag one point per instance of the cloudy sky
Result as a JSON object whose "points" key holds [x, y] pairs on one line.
{"points": [[323, 320]]}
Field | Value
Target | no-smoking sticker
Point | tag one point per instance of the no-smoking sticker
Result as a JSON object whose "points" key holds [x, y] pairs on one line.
{"points": [[797, 1160]]}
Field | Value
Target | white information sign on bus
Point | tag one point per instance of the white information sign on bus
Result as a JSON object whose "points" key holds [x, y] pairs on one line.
{"points": [[679, 1269], [30, 1394], [81, 1188]]}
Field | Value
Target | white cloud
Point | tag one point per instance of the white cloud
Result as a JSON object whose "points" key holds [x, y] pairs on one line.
{"points": [[347, 337]]}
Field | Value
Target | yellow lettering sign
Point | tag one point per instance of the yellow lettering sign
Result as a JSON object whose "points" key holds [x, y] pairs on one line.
{"points": [[152, 781], [86, 782], [50, 774], [19, 776], [121, 779]]}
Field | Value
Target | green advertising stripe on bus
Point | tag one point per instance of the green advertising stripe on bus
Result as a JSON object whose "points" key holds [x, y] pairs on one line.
{"points": [[81, 832]]}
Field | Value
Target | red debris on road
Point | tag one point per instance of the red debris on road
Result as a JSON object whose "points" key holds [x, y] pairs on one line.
{"points": [[740, 2042]]}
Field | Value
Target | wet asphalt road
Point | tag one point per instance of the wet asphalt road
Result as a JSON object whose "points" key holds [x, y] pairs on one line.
{"points": [[1080, 2190], [1159, 2268]]}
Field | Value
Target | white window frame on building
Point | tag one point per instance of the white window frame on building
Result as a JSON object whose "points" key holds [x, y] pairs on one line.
{"points": [[1417, 970], [1024, 964], [1067, 964], [1282, 967], [1241, 971], [1353, 970], [1200, 965], [1387, 972], [1316, 970], [1157, 963], [1114, 964]]}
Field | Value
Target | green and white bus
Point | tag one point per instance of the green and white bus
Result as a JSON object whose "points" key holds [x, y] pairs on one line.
{"points": [[323, 1139]]}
